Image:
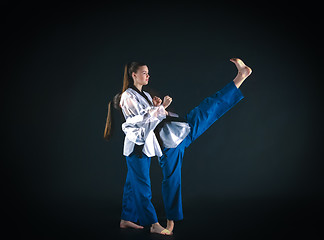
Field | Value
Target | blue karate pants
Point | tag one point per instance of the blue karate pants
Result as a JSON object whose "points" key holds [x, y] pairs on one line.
{"points": [[137, 205]]}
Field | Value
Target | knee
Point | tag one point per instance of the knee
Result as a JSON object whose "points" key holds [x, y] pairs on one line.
{"points": [[173, 177]]}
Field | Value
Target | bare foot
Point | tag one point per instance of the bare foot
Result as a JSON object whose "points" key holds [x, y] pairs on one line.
{"points": [[129, 224], [157, 228], [170, 225], [243, 71]]}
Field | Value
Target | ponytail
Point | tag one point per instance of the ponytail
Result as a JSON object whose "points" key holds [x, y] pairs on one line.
{"points": [[107, 132], [127, 78], [127, 82]]}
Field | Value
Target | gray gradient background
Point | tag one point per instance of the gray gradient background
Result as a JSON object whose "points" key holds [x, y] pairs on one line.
{"points": [[257, 172]]}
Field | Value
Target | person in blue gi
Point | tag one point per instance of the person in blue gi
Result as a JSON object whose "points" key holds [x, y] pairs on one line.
{"points": [[150, 130]]}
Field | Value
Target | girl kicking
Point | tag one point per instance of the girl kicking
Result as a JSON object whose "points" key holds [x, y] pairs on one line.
{"points": [[150, 130]]}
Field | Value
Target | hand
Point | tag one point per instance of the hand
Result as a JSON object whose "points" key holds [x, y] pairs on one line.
{"points": [[156, 101], [167, 101]]}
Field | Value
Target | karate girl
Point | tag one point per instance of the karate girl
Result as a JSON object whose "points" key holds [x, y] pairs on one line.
{"points": [[150, 130]]}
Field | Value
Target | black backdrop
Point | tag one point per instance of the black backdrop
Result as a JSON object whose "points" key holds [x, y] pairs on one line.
{"points": [[257, 172]]}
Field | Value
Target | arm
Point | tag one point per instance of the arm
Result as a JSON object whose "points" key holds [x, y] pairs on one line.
{"points": [[157, 101], [139, 121]]}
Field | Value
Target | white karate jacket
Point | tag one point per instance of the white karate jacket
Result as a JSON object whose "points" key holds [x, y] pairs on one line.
{"points": [[141, 120]]}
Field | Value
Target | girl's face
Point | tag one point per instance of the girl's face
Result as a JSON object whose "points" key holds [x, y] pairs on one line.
{"points": [[141, 76]]}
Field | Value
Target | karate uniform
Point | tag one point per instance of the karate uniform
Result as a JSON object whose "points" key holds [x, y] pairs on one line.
{"points": [[143, 123], [142, 117]]}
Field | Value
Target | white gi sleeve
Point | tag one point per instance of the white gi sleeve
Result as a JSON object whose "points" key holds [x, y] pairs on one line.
{"points": [[140, 120]]}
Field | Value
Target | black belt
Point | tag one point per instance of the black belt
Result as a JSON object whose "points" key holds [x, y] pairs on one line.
{"points": [[138, 149]]}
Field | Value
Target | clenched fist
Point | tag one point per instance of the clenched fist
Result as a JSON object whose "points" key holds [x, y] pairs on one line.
{"points": [[156, 101], [167, 101]]}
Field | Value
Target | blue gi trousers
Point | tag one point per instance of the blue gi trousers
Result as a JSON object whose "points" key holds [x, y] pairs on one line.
{"points": [[137, 205]]}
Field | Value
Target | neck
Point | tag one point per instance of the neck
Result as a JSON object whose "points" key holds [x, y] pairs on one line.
{"points": [[138, 86]]}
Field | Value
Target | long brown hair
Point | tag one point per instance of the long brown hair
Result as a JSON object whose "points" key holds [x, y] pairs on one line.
{"points": [[127, 82]]}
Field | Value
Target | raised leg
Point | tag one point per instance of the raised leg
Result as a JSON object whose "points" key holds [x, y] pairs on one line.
{"points": [[243, 71], [210, 109], [199, 119]]}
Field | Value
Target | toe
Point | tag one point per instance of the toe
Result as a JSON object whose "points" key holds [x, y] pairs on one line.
{"points": [[166, 232]]}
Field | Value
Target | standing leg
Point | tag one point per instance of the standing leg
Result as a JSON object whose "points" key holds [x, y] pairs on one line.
{"points": [[137, 196], [171, 162], [137, 203], [128, 215], [128, 205]]}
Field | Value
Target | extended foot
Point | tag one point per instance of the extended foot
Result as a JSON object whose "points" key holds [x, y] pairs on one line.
{"points": [[157, 228], [129, 224], [243, 70], [170, 225]]}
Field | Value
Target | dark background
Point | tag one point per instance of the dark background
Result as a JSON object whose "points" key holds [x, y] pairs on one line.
{"points": [[256, 173]]}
